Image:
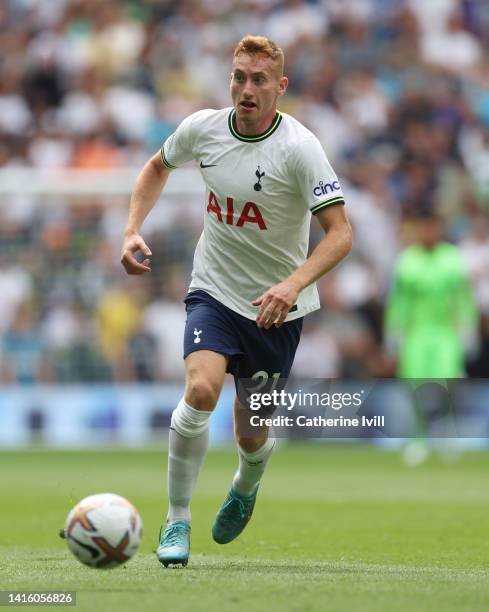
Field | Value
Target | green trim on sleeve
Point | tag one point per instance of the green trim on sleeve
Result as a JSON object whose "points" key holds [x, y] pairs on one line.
{"points": [[332, 201], [165, 161]]}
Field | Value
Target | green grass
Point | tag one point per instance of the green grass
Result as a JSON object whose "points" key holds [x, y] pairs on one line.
{"points": [[335, 528]]}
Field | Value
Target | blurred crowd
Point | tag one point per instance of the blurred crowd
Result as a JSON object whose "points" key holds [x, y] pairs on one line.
{"points": [[397, 91]]}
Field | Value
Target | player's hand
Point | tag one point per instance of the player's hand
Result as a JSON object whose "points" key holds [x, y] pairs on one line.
{"points": [[132, 245], [276, 303]]}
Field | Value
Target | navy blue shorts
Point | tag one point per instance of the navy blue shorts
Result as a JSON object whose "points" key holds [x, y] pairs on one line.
{"points": [[253, 352]]}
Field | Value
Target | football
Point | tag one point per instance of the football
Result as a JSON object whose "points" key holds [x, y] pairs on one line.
{"points": [[103, 531]]}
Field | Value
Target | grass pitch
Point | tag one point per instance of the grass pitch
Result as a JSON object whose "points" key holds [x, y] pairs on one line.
{"points": [[337, 528]]}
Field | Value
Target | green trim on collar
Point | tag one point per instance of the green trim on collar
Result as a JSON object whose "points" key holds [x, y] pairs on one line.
{"points": [[234, 130]]}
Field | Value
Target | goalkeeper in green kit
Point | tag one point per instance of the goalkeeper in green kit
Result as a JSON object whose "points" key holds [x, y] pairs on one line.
{"points": [[431, 324], [431, 316]]}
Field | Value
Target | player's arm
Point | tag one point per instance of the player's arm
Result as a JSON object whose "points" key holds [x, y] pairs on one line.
{"points": [[147, 189], [331, 249], [277, 301]]}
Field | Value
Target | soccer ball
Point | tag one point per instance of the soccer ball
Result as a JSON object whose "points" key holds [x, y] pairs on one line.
{"points": [[103, 531]]}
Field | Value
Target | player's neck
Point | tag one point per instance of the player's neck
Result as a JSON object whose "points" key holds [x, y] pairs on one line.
{"points": [[254, 128]]}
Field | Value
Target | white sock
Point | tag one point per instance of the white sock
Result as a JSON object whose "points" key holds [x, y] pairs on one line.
{"points": [[251, 468], [188, 441]]}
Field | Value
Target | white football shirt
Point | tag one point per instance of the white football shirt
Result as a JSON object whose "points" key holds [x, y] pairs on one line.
{"points": [[261, 191]]}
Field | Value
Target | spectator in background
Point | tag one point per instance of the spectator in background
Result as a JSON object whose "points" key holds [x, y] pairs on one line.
{"points": [[22, 354], [317, 355], [164, 320], [15, 288], [119, 318]]}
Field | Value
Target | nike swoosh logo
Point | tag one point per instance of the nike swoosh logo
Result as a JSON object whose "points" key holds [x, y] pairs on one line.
{"points": [[207, 165]]}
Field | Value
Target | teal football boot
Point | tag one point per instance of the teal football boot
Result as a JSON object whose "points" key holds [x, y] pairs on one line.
{"points": [[174, 544], [233, 516]]}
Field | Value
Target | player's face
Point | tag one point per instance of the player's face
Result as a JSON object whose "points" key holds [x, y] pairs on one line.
{"points": [[430, 232], [256, 83]]}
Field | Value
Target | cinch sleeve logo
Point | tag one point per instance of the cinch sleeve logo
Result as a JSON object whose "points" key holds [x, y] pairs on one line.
{"points": [[324, 188]]}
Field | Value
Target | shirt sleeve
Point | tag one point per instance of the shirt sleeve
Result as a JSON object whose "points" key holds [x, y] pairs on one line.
{"points": [[316, 179], [178, 148]]}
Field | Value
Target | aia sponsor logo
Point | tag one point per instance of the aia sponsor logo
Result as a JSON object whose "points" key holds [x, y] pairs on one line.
{"points": [[325, 188], [250, 212]]}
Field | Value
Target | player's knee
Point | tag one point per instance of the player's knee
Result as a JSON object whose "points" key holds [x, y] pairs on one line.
{"points": [[189, 423], [201, 393]]}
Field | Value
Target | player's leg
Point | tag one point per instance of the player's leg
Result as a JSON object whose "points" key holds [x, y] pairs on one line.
{"points": [[188, 441], [189, 429], [209, 343], [254, 451], [270, 354]]}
